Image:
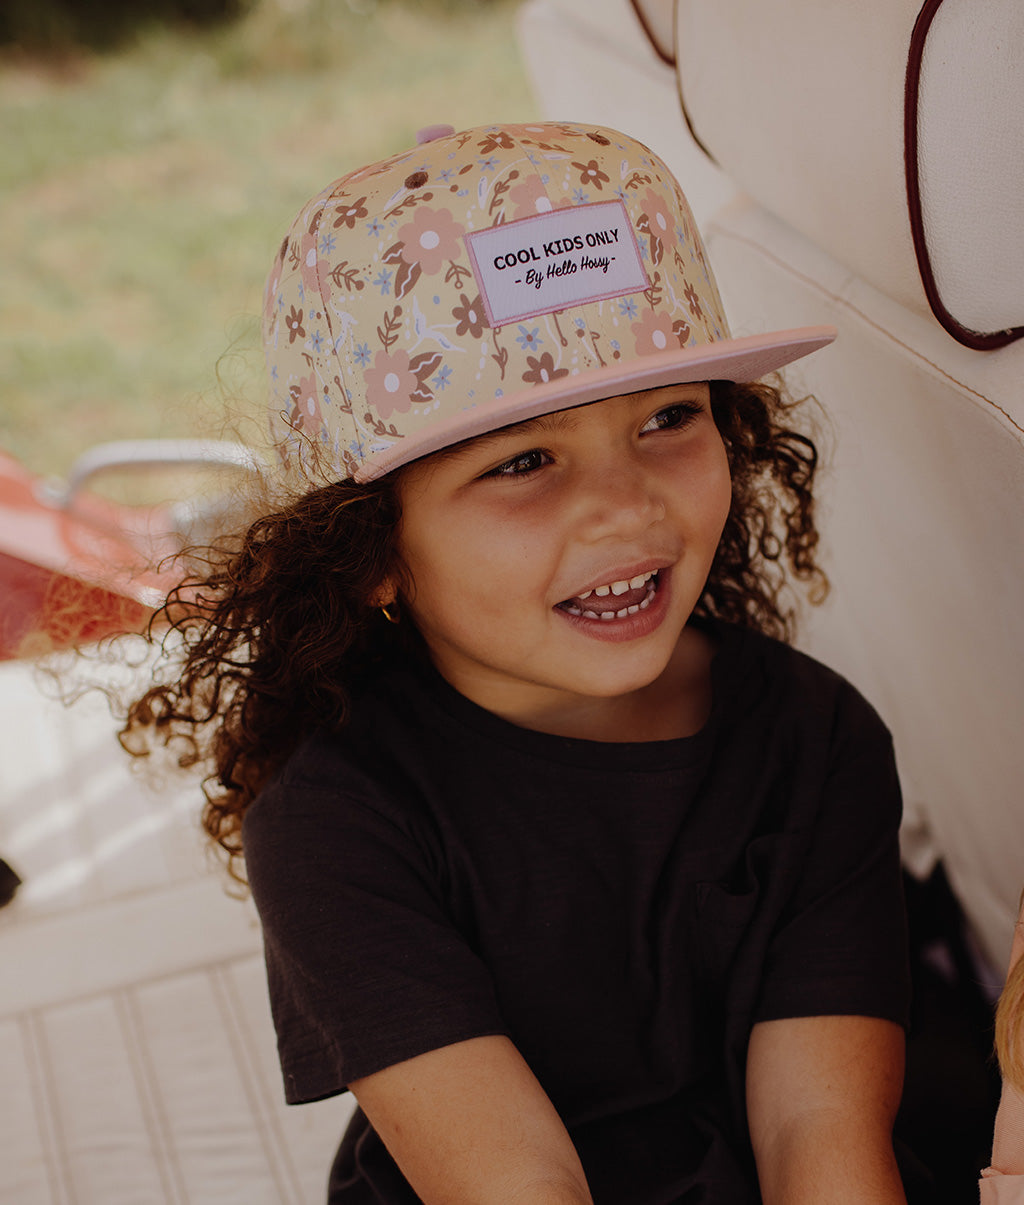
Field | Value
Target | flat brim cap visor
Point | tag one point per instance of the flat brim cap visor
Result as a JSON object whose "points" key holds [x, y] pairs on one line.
{"points": [[746, 359], [485, 278]]}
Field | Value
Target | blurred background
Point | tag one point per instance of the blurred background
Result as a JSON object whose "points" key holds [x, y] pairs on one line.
{"points": [[153, 156]]}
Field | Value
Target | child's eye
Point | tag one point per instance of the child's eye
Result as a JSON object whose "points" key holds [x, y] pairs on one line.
{"points": [[680, 414], [519, 466]]}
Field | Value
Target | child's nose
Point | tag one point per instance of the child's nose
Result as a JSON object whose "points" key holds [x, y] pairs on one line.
{"points": [[618, 500]]}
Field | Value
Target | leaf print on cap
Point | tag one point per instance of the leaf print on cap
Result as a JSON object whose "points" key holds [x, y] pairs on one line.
{"points": [[430, 239], [542, 369], [406, 276]]}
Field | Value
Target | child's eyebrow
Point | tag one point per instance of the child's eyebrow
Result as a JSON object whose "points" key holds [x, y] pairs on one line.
{"points": [[557, 420]]}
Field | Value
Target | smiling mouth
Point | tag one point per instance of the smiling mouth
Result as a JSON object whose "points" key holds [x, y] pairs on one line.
{"points": [[615, 600]]}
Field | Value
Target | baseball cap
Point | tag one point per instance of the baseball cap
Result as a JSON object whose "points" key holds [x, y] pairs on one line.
{"points": [[483, 278]]}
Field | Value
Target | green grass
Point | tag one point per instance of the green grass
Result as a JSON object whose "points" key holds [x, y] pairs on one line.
{"points": [[145, 192]]}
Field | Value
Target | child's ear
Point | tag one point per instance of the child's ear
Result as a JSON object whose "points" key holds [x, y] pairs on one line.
{"points": [[385, 594]]}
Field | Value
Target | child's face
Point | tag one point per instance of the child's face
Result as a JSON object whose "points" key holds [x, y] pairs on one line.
{"points": [[518, 543]]}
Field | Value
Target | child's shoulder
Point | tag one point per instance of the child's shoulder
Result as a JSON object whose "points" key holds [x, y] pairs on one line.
{"points": [[782, 676]]}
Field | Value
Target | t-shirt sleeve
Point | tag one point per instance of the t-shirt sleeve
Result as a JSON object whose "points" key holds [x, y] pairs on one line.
{"points": [[365, 968], [840, 945]]}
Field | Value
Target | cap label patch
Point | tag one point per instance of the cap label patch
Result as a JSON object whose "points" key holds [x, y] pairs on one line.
{"points": [[563, 258]]}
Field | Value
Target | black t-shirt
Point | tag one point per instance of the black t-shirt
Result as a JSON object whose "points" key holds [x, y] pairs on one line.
{"points": [[623, 912]]}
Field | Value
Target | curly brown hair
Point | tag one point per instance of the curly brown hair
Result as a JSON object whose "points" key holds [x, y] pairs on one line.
{"points": [[272, 633]]}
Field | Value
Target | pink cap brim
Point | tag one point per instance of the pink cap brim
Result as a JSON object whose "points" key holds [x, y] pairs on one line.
{"points": [[745, 359]]}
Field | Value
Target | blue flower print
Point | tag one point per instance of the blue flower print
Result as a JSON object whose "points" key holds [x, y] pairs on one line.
{"points": [[529, 340], [375, 228], [627, 308], [579, 197], [363, 354], [317, 342], [446, 176], [488, 165], [383, 281], [327, 243], [443, 378]]}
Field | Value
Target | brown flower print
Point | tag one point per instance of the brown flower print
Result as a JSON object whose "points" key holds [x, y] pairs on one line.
{"points": [[542, 369], [470, 316], [493, 141], [693, 301], [590, 173], [293, 322], [350, 214]]}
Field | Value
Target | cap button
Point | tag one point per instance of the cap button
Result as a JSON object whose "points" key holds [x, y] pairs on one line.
{"points": [[432, 133]]}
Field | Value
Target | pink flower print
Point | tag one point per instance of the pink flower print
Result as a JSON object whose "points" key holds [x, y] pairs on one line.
{"points": [[396, 381], [656, 222], [590, 173], [305, 414], [351, 213], [430, 238], [529, 198], [470, 316], [542, 369], [654, 333], [693, 301], [293, 322], [658, 216], [308, 262], [390, 383]]}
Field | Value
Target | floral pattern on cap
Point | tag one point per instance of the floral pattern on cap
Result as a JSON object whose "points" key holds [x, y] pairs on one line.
{"points": [[376, 318]]}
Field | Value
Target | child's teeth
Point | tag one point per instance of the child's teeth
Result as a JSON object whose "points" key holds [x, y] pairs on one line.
{"points": [[617, 588], [621, 587]]}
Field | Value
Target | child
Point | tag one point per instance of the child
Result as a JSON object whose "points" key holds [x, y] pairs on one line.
{"points": [[582, 883], [1003, 1182]]}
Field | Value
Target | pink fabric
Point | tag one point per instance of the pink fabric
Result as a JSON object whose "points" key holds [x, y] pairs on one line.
{"points": [[1003, 1182]]}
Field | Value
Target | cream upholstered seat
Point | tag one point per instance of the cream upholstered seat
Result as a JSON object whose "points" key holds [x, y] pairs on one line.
{"points": [[863, 165]]}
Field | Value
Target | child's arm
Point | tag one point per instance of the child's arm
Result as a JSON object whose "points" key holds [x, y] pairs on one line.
{"points": [[822, 1094], [470, 1125]]}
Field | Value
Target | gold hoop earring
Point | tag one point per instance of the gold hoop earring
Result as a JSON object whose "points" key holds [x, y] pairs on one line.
{"points": [[388, 616]]}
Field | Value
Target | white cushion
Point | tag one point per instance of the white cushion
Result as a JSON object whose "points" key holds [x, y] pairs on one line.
{"points": [[802, 102]]}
